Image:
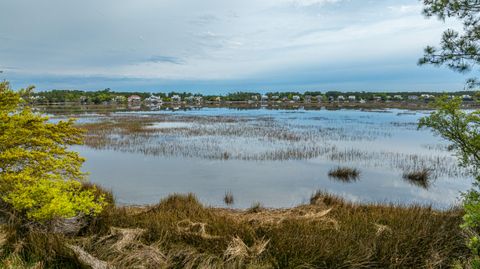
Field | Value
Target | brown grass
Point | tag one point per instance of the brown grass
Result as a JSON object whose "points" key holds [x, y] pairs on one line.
{"points": [[179, 232]]}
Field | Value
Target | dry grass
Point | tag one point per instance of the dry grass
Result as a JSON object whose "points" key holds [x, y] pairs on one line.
{"points": [[179, 232]]}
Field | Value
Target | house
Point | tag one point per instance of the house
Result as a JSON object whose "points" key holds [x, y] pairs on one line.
{"points": [[296, 98], [218, 99], [176, 98], [341, 98], [120, 99], [466, 97], [397, 97], [377, 98], [352, 98], [331, 99], [264, 98], [198, 99], [285, 99], [319, 98], [134, 99], [308, 99], [275, 97], [412, 97], [153, 99], [254, 98], [426, 96], [190, 99], [362, 101]]}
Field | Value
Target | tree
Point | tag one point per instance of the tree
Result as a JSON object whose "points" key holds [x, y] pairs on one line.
{"points": [[40, 178], [459, 51]]}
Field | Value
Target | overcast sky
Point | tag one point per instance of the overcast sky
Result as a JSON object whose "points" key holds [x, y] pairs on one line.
{"points": [[216, 46]]}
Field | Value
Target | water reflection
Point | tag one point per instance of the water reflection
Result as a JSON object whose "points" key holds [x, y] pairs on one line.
{"points": [[381, 145]]}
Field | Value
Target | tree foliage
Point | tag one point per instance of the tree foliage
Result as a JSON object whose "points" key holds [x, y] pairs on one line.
{"points": [[459, 127], [40, 178], [458, 50]]}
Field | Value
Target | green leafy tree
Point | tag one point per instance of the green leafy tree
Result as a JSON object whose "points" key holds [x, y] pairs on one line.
{"points": [[460, 52], [40, 178]]}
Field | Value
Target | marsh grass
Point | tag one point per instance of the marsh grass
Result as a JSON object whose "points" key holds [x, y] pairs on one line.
{"points": [[255, 139], [345, 174], [256, 207], [228, 199], [179, 232], [421, 177]]}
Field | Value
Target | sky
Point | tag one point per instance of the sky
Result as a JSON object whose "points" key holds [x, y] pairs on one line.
{"points": [[218, 46]]}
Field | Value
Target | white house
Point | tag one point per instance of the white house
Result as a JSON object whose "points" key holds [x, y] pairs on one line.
{"points": [[296, 98], [264, 98], [341, 98], [352, 98], [153, 99], [466, 97], [176, 98], [397, 97], [308, 98]]}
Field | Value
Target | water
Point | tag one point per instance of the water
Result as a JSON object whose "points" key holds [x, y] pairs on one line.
{"points": [[215, 150]]}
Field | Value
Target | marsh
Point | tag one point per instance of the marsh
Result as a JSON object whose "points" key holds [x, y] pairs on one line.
{"points": [[277, 157]]}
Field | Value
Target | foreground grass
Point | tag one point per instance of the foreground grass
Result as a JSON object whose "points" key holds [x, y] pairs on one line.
{"points": [[181, 233]]}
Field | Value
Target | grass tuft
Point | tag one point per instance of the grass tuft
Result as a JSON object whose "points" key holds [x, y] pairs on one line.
{"points": [[228, 198], [256, 207], [345, 174], [419, 177]]}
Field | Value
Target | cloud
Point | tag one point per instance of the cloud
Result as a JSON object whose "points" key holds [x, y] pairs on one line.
{"points": [[165, 59], [212, 40]]}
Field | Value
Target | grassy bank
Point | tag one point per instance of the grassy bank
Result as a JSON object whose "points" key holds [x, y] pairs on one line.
{"points": [[179, 232]]}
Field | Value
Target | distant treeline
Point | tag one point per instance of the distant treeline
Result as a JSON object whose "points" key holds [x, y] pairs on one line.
{"points": [[107, 96]]}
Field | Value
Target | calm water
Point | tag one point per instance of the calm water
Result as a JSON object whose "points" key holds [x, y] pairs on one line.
{"points": [[381, 144]]}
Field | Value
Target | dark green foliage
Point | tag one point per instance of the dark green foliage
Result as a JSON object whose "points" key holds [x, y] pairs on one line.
{"points": [[459, 51]]}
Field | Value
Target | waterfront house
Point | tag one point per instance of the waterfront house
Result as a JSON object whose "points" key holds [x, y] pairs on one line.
{"points": [[341, 98], [466, 97], [296, 98], [153, 99], [352, 98], [176, 98], [397, 97], [134, 99]]}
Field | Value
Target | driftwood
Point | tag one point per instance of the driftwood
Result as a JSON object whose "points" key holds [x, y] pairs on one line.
{"points": [[88, 260]]}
